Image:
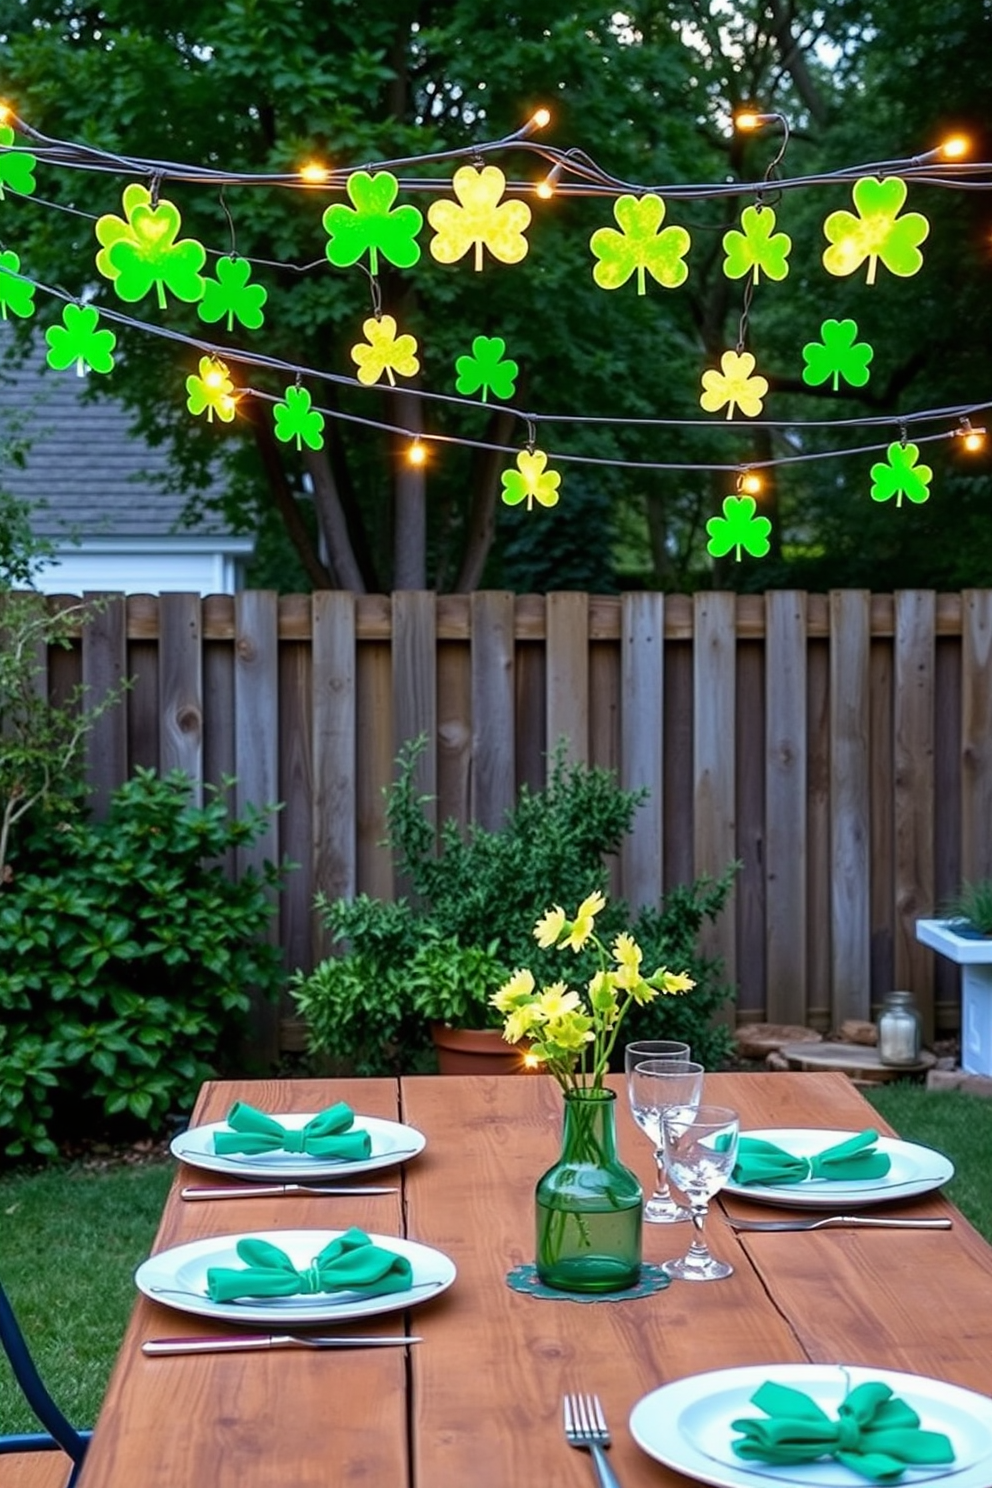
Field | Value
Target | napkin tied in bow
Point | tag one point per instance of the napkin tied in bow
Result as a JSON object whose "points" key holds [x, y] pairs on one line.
{"points": [[855, 1158], [874, 1434], [350, 1263], [327, 1135]]}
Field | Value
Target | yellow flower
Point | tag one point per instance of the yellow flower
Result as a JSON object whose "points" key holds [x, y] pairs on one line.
{"points": [[521, 984], [519, 1023], [548, 929], [555, 1001], [584, 923], [676, 981], [569, 1033], [602, 993], [627, 953]]}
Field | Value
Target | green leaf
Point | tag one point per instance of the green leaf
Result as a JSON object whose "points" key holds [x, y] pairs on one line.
{"points": [[738, 528], [78, 340], [837, 354], [295, 419], [231, 295], [16, 294], [16, 166], [757, 248], [485, 369], [878, 232], [640, 246], [373, 226], [901, 476], [140, 251]]}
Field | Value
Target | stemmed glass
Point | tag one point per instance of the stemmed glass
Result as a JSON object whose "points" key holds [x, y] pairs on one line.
{"points": [[700, 1149], [652, 1086]]}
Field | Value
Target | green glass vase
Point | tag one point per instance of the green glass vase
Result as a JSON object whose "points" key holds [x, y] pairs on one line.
{"points": [[589, 1206]]}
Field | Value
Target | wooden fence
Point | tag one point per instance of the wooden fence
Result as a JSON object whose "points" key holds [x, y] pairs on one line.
{"points": [[839, 746]]}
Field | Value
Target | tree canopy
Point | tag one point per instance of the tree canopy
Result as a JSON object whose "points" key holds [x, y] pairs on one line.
{"points": [[256, 86]]}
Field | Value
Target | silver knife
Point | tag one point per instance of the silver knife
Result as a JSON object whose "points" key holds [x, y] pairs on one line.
{"points": [[270, 1190], [210, 1345], [837, 1220]]}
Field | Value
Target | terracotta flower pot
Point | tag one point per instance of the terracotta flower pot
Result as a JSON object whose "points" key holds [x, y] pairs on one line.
{"points": [[476, 1051]]}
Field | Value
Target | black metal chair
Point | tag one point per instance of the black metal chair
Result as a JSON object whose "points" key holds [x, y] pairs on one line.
{"points": [[58, 1434]]}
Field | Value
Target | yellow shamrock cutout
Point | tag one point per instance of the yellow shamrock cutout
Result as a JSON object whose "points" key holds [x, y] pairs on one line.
{"points": [[530, 481], [480, 220], [734, 385], [212, 391], [384, 351]]}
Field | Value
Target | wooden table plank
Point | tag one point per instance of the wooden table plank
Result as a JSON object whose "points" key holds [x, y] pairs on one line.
{"points": [[266, 1420]]}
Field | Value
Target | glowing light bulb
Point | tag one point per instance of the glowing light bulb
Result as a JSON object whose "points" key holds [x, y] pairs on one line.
{"points": [[746, 121], [955, 148], [416, 454], [546, 189], [6, 113], [541, 119], [974, 440], [751, 483], [314, 173], [214, 377], [531, 1062]]}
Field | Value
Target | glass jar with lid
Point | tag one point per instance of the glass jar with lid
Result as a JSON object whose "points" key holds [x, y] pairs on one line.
{"points": [[900, 1031]]}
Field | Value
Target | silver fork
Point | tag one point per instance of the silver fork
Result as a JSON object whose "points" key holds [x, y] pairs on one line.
{"points": [[866, 1221], [585, 1426]]}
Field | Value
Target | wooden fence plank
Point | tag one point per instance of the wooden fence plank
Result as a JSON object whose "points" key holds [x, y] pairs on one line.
{"points": [[335, 753], [881, 755], [850, 805], [256, 709], [913, 778], [454, 731], [375, 749], [494, 785], [678, 852], [818, 929], [714, 774], [415, 683], [298, 793], [104, 646], [976, 735], [785, 805], [642, 733], [180, 674], [568, 674], [749, 815], [945, 974]]}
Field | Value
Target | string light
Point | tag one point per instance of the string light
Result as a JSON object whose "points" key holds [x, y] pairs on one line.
{"points": [[750, 482], [749, 121], [416, 454], [546, 188], [972, 439], [314, 173], [6, 113], [955, 148]]}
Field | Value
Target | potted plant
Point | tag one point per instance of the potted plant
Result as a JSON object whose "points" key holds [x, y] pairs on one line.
{"points": [[963, 934]]}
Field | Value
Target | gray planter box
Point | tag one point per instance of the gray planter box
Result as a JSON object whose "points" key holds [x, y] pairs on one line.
{"points": [[974, 955]]}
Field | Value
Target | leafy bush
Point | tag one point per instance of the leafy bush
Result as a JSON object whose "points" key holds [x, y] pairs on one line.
{"points": [[126, 959], [440, 954]]}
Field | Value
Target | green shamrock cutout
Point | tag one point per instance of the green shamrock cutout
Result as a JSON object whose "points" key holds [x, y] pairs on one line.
{"points": [[140, 250], [759, 247], [878, 232], [230, 294], [901, 476], [16, 166], [373, 225], [640, 246], [295, 419], [486, 369], [78, 340], [837, 354], [530, 481], [212, 391], [16, 293], [738, 528]]}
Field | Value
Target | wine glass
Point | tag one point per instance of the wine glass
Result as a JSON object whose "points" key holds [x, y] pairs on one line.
{"points": [[700, 1147], [652, 1086]]}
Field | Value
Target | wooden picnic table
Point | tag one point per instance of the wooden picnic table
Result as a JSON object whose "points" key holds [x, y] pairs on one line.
{"points": [[478, 1402]]}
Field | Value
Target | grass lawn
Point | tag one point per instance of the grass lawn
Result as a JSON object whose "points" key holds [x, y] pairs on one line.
{"points": [[70, 1239]]}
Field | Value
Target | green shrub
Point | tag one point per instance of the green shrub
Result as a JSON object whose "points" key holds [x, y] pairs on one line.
{"points": [[440, 954], [126, 960]]}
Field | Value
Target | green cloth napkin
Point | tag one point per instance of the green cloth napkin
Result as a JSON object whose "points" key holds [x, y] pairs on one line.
{"points": [[874, 1434], [327, 1134], [856, 1157], [349, 1263]]}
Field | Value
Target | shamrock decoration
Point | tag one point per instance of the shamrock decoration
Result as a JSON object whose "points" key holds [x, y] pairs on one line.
{"points": [[479, 220], [486, 369], [16, 166], [734, 385], [295, 419], [16, 293], [373, 225], [78, 340], [211, 390], [530, 481], [738, 528], [837, 354], [140, 250], [384, 352], [639, 245], [757, 247], [901, 476], [230, 294], [878, 233]]}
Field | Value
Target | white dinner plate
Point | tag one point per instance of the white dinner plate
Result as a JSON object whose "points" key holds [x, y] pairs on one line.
{"points": [[687, 1425], [912, 1170], [392, 1143], [178, 1278]]}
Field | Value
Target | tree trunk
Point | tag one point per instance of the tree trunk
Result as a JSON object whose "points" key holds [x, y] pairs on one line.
{"points": [[284, 498], [481, 526], [410, 525], [333, 525]]}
